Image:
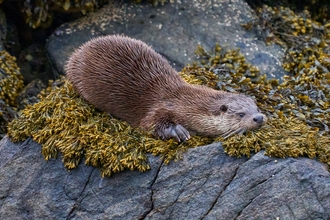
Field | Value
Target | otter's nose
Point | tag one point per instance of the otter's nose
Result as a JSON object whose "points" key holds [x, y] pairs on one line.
{"points": [[258, 119]]}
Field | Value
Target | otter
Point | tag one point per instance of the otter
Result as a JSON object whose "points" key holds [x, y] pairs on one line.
{"points": [[129, 80]]}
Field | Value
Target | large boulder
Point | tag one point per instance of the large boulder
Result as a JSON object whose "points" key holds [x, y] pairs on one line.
{"points": [[206, 184], [174, 30]]}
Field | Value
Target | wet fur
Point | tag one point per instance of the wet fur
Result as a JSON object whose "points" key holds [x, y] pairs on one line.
{"points": [[128, 79]]}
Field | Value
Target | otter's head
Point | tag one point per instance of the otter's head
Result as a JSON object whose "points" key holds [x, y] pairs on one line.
{"points": [[234, 114]]}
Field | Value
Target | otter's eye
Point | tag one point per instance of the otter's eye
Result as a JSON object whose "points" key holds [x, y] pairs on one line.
{"points": [[241, 115], [223, 108], [258, 109]]}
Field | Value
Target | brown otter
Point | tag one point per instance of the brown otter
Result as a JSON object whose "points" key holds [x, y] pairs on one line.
{"points": [[129, 80]]}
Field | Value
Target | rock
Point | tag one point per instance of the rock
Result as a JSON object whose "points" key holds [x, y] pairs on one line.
{"points": [[32, 59], [11, 40], [7, 114], [174, 30], [206, 184], [3, 28], [34, 64], [29, 95]]}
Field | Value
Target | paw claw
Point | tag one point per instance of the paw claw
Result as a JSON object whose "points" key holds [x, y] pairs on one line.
{"points": [[178, 132]]}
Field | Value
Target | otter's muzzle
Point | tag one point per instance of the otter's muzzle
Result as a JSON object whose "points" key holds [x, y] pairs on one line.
{"points": [[259, 119]]}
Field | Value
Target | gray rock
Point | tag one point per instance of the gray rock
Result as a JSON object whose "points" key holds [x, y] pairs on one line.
{"points": [[34, 64], [32, 188], [3, 28], [174, 30], [29, 95], [206, 184], [7, 114]]}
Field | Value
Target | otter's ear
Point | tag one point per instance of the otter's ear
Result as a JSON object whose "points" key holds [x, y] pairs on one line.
{"points": [[223, 108]]}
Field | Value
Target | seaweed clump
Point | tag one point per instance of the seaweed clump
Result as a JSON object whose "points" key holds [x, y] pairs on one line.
{"points": [[298, 108], [64, 123], [287, 133], [11, 81], [307, 61], [282, 26], [319, 9], [10, 85], [38, 13]]}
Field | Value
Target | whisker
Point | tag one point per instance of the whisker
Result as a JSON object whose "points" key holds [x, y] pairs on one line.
{"points": [[237, 131]]}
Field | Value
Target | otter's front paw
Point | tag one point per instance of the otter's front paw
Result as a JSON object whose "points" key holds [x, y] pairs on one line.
{"points": [[177, 132]]}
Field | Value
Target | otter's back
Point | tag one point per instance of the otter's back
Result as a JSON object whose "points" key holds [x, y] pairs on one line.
{"points": [[121, 75]]}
